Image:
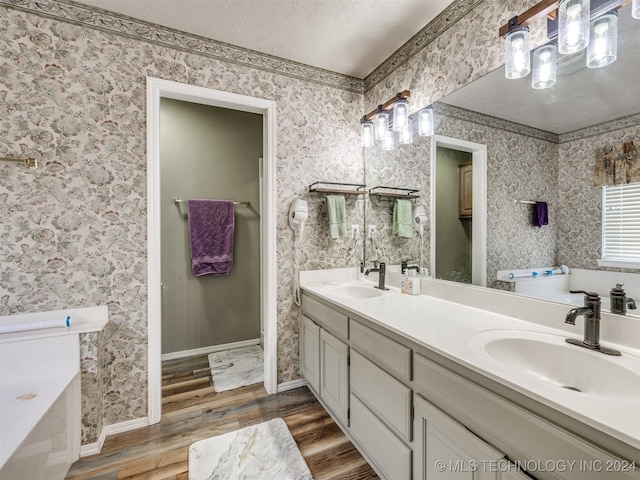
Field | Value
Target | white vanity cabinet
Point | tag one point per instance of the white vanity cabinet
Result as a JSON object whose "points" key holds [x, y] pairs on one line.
{"points": [[415, 414], [443, 449], [309, 337], [324, 355], [334, 375]]}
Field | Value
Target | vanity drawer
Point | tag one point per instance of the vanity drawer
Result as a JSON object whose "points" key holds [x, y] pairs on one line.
{"points": [[387, 397], [389, 354], [503, 424], [391, 457], [334, 321]]}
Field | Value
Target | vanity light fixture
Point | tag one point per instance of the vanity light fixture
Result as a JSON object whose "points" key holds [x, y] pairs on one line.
{"points": [[516, 52], [425, 122], [388, 119], [366, 133], [573, 25], [603, 47], [388, 143], [381, 124], [400, 114], [405, 137], [544, 66]]}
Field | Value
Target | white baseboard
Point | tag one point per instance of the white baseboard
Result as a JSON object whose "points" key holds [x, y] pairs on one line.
{"points": [[211, 349], [300, 382], [93, 448]]}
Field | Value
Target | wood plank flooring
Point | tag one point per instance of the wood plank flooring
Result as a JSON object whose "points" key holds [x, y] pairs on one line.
{"points": [[192, 411]]}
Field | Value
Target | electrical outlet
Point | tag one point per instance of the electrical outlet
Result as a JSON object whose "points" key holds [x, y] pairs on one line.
{"points": [[370, 231], [355, 231]]}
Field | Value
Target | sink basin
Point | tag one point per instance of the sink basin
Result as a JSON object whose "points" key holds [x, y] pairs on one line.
{"points": [[354, 291], [547, 358]]}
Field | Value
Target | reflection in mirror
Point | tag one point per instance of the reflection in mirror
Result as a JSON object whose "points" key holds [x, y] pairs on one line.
{"points": [[540, 147]]}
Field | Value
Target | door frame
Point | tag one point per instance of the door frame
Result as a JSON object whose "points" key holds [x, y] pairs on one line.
{"points": [[157, 89], [479, 225]]}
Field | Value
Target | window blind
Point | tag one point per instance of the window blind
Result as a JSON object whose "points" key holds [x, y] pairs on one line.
{"points": [[621, 222]]}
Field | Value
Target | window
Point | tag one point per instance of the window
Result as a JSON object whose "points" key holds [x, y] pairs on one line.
{"points": [[621, 225]]}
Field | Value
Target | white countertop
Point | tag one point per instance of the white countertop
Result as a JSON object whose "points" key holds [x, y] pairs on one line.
{"points": [[447, 328]]}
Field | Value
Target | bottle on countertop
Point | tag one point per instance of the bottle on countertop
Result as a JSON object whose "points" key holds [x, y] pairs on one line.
{"points": [[618, 300]]}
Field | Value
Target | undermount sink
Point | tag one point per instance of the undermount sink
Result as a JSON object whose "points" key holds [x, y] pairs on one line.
{"points": [[354, 291], [551, 360]]}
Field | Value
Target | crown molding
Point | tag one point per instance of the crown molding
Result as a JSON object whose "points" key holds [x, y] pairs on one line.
{"points": [[450, 111], [103, 20], [601, 128], [448, 17]]}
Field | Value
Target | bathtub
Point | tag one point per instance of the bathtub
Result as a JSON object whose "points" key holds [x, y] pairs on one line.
{"points": [[39, 405]]}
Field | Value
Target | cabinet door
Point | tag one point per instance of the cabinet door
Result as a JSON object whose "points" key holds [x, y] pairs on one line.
{"points": [[465, 190], [445, 450], [334, 380], [310, 352]]}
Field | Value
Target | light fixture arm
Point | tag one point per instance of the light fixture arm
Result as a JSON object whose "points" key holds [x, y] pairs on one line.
{"points": [[388, 105], [548, 8], [541, 9]]}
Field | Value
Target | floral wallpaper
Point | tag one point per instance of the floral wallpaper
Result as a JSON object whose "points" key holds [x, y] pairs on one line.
{"points": [[74, 229], [580, 216]]}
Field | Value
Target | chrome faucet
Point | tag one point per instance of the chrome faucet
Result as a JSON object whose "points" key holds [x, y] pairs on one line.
{"points": [[382, 271], [591, 312]]}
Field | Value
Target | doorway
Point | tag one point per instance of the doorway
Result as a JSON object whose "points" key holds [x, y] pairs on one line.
{"points": [[158, 89], [447, 155]]}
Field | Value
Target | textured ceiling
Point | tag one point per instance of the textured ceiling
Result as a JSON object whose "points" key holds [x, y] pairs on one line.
{"points": [[351, 37]]}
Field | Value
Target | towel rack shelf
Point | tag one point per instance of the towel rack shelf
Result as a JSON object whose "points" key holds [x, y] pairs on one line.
{"points": [[394, 192], [337, 187]]}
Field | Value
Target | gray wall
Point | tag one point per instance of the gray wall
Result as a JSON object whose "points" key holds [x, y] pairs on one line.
{"points": [[208, 152], [453, 234]]}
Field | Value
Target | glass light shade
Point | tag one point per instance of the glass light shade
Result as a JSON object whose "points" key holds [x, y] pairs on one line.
{"points": [[517, 63], [405, 137], [366, 134], [544, 66], [400, 115], [603, 46], [573, 25], [381, 123], [389, 141], [635, 9], [425, 122]]}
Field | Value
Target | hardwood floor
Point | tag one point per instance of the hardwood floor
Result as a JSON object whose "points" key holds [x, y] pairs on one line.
{"points": [[192, 411]]}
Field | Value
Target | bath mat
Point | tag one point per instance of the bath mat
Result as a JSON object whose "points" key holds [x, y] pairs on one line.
{"points": [[266, 450], [236, 368]]}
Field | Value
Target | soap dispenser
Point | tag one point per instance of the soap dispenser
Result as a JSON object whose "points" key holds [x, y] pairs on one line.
{"points": [[618, 300]]}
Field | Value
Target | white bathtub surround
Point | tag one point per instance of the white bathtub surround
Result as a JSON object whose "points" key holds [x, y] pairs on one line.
{"points": [[83, 320], [266, 450], [40, 392], [447, 316], [236, 368], [557, 287], [39, 407]]}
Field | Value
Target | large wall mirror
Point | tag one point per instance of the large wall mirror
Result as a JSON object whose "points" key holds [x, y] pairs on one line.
{"points": [[540, 146]]}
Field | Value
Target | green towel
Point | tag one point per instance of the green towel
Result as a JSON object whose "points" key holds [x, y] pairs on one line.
{"points": [[402, 226], [337, 216]]}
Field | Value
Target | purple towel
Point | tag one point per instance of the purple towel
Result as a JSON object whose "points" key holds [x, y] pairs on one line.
{"points": [[211, 224], [540, 214]]}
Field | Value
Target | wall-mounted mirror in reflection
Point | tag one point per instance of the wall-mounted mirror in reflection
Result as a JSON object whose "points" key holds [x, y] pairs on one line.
{"points": [[540, 147]]}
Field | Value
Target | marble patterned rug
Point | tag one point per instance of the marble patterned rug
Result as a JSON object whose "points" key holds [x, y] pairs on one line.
{"points": [[237, 367], [266, 450]]}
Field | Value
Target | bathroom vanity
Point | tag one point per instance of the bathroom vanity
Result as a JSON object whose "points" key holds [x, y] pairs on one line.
{"points": [[426, 388]]}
